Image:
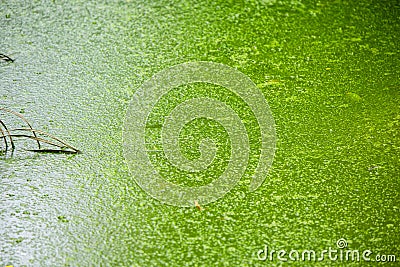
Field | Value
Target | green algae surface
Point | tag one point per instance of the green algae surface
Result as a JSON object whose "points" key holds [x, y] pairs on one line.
{"points": [[329, 71]]}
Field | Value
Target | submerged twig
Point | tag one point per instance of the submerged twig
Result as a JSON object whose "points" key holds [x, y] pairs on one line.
{"points": [[6, 58], [35, 138], [22, 118], [2, 133], [8, 132], [54, 151], [65, 144], [55, 141]]}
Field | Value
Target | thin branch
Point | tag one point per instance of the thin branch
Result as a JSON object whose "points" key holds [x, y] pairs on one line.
{"points": [[8, 132], [34, 138], [49, 135], [65, 145], [22, 118], [6, 58], [55, 141], [53, 151], [2, 133]]}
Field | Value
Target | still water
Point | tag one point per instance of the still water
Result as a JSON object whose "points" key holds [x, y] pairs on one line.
{"points": [[328, 70]]}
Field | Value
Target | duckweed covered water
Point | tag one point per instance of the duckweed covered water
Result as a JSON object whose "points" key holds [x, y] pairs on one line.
{"points": [[328, 69]]}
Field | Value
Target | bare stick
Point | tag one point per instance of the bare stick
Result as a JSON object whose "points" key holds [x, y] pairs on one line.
{"points": [[2, 134], [25, 120], [37, 139], [53, 151], [47, 134], [9, 135], [44, 141], [6, 58]]}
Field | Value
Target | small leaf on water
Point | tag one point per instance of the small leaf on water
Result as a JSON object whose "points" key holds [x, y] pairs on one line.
{"points": [[197, 205]]}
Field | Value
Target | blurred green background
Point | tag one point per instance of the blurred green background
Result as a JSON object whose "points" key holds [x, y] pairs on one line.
{"points": [[328, 69]]}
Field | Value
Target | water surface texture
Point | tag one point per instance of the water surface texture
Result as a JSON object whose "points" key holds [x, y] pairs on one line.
{"points": [[329, 71]]}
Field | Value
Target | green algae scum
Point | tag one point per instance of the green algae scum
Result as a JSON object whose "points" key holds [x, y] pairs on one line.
{"points": [[323, 118]]}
